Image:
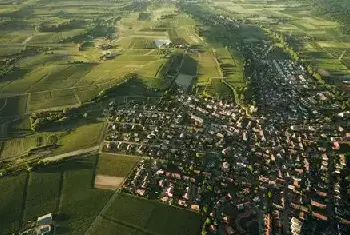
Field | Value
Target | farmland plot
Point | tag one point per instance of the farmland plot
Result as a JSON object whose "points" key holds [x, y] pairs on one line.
{"points": [[65, 77], [80, 203], [11, 201], [81, 138], [113, 228], [42, 194], [152, 217], [51, 99], [19, 146], [113, 165], [28, 80], [13, 106]]}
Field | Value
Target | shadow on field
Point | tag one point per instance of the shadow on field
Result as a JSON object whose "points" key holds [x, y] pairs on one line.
{"points": [[61, 217], [133, 87], [62, 229], [14, 75]]}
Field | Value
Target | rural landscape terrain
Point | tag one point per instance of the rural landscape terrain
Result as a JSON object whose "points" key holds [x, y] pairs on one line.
{"points": [[174, 117]]}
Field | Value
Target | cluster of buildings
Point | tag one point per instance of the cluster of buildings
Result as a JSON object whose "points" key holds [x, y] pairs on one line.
{"points": [[246, 172], [304, 157], [43, 225], [276, 168]]}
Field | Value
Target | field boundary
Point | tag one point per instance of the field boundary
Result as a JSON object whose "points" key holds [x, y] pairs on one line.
{"points": [[110, 201], [4, 104], [24, 203], [126, 224]]}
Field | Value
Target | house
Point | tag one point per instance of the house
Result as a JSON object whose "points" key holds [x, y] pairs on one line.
{"points": [[195, 207], [43, 229], [182, 203], [319, 216], [44, 220], [141, 192], [229, 230], [317, 204], [161, 42]]}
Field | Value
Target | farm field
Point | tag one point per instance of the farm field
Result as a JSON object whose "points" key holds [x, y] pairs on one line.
{"points": [[13, 106], [318, 41], [64, 189], [148, 217], [11, 202], [55, 99], [80, 203], [19, 146], [112, 170], [115, 165], [42, 194], [83, 137]]}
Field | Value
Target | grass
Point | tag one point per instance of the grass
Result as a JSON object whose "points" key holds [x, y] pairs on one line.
{"points": [[189, 65], [11, 201], [113, 228], [80, 202], [325, 36], [19, 146], [87, 93], [151, 69], [52, 99], [13, 106], [42, 194], [151, 217], [28, 80], [111, 70], [85, 136], [207, 68], [65, 76], [118, 166]]}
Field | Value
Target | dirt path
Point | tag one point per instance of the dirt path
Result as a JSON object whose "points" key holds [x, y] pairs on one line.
{"points": [[1, 108], [70, 154], [27, 40]]}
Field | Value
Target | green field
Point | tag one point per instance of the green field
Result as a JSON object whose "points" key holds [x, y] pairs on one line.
{"points": [[80, 203], [148, 217], [11, 202], [42, 194], [83, 137], [53, 99], [20, 146], [64, 189], [317, 39], [13, 106], [116, 165]]}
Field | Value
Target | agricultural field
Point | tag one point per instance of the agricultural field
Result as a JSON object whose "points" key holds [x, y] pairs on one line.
{"points": [[85, 136], [16, 147], [64, 189], [80, 203], [318, 41], [55, 99], [11, 202], [13, 106], [112, 170], [42, 194], [147, 217], [116, 165]]}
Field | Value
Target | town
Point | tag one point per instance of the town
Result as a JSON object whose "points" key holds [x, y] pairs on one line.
{"points": [[175, 117], [247, 171]]}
